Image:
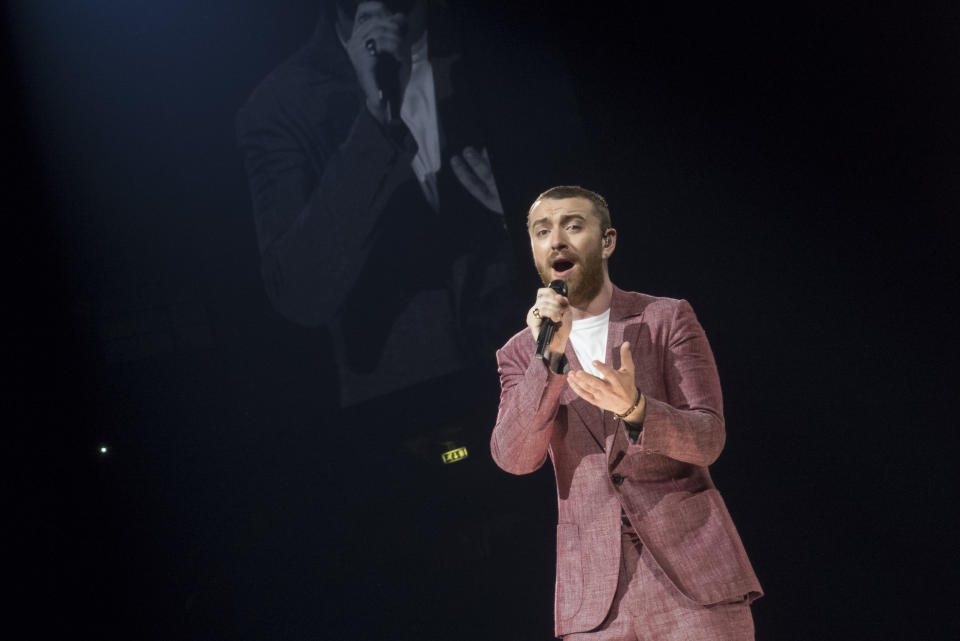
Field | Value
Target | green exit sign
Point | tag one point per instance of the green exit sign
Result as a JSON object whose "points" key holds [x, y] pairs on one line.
{"points": [[452, 456]]}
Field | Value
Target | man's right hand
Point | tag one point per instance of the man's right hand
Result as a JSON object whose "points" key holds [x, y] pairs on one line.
{"points": [[551, 305], [375, 22]]}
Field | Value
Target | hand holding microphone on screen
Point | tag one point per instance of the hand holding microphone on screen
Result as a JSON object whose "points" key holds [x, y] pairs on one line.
{"points": [[379, 51]]}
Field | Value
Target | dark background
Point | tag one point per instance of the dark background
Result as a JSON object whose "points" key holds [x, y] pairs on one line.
{"points": [[791, 170]]}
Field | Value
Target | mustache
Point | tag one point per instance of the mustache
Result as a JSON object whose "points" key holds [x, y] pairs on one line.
{"points": [[564, 255]]}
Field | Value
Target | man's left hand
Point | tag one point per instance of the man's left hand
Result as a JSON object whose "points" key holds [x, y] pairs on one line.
{"points": [[615, 392]]}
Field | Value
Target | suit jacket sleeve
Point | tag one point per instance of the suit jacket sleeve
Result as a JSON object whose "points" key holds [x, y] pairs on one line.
{"points": [[688, 425], [529, 401], [316, 196]]}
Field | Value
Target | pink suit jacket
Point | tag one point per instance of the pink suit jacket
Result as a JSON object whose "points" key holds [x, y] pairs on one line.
{"points": [[661, 482]]}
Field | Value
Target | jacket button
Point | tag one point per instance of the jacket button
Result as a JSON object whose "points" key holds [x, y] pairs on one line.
{"points": [[617, 479]]}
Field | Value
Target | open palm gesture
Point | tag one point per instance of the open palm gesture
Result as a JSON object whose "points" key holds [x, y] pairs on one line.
{"points": [[615, 392]]}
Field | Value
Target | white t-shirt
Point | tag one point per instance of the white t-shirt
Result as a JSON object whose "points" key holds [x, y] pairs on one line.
{"points": [[419, 112], [589, 339]]}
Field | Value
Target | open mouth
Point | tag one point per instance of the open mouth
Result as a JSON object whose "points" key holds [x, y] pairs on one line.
{"points": [[561, 266]]}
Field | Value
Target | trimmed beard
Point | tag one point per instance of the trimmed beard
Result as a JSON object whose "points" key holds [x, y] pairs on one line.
{"points": [[584, 284]]}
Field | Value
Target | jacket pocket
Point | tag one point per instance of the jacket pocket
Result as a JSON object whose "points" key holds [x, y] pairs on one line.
{"points": [[569, 594]]}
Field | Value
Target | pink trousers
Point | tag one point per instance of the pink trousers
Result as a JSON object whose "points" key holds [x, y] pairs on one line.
{"points": [[647, 607]]}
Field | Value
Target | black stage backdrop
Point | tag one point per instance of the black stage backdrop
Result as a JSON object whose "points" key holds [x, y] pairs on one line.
{"points": [[792, 171]]}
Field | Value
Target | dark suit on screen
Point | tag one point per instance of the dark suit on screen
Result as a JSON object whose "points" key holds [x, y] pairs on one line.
{"points": [[343, 226]]}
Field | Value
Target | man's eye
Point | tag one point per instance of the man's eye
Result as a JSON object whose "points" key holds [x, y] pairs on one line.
{"points": [[542, 232], [573, 227]]}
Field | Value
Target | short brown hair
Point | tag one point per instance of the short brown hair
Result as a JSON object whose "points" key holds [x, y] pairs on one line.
{"points": [[600, 209]]}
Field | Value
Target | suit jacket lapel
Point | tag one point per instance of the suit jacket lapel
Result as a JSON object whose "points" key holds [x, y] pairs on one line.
{"points": [[625, 315], [589, 414], [612, 358]]}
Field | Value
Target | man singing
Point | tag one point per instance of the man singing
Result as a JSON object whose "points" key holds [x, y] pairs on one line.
{"points": [[630, 411]]}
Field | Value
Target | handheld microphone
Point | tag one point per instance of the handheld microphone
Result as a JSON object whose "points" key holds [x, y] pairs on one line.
{"points": [[386, 73], [547, 326]]}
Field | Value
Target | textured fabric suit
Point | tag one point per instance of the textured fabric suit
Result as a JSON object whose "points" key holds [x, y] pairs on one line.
{"points": [[661, 482]]}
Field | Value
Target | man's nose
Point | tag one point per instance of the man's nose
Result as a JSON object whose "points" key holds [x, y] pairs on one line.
{"points": [[558, 238]]}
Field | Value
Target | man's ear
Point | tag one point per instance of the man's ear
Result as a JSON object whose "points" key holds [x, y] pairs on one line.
{"points": [[608, 243]]}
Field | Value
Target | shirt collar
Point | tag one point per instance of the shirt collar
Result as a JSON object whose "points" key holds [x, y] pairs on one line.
{"points": [[418, 50]]}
